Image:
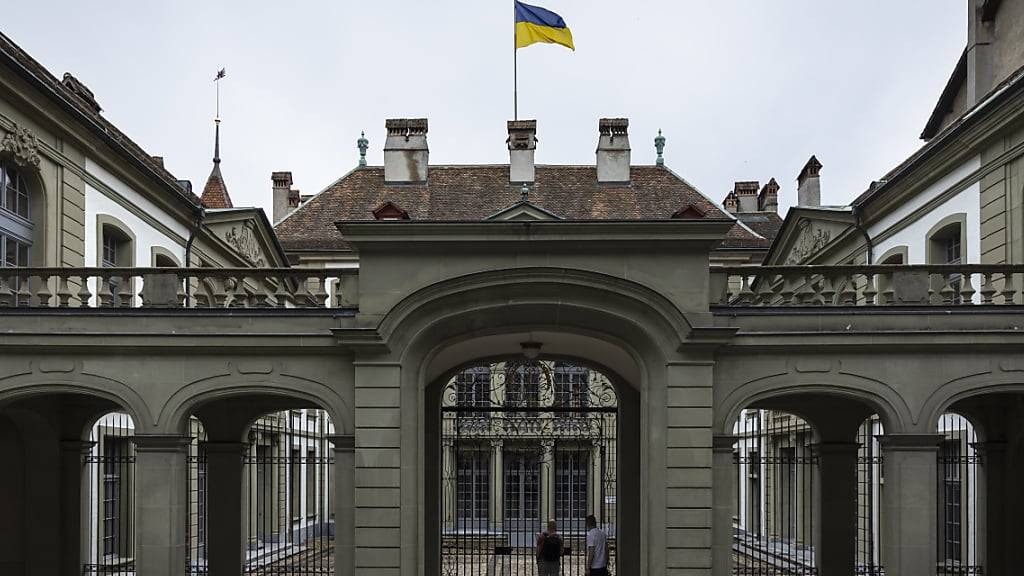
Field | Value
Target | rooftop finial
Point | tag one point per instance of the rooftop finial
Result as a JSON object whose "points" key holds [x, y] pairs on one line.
{"points": [[363, 144], [216, 141], [659, 145], [525, 192]]}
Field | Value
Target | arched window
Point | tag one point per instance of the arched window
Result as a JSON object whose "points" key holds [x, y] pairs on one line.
{"points": [[115, 243], [15, 217], [947, 244]]}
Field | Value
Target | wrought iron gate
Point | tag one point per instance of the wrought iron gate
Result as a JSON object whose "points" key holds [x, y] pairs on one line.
{"points": [[869, 499], [958, 496], [110, 549], [775, 464], [525, 441]]}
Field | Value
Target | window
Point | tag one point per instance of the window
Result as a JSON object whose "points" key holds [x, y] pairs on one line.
{"points": [[946, 246], [571, 475], [572, 386], [952, 486], [15, 198], [473, 481], [523, 388], [113, 460], [112, 246], [473, 388], [15, 224], [295, 484], [522, 485], [310, 482]]}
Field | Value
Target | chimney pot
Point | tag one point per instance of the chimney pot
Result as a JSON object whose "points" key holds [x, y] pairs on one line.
{"points": [[282, 194], [809, 184], [522, 145], [613, 151], [406, 154]]}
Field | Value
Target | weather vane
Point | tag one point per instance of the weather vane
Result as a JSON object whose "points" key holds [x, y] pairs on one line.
{"points": [[216, 80]]}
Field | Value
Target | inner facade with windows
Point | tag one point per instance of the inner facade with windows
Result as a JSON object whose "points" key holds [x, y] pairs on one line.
{"points": [[523, 442]]}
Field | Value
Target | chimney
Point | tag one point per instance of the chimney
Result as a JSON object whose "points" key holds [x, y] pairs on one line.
{"points": [[405, 151], [731, 204], [282, 182], [746, 194], [768, 198], [808, 184], [522, 144], [613, 151], [980, 38]]}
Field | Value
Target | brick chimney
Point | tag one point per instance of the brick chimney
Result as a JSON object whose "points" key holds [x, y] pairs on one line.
{"points": [[746, 194], [808, 191], [731, 203], [522, 144], [282, 183], [613, 152], [406, 154], [768, 198]]}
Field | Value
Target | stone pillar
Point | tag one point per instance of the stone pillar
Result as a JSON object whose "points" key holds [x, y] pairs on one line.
{"points": [[835, 508], [993, 524], [73, 496], [497, 484], [161, 485], [723, 485], [344, 504], [909, 507], [547, 482], [224, 503]]}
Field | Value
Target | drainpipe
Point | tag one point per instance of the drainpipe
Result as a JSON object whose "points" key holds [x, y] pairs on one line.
{"points": [[867, 238], [200, 216]]}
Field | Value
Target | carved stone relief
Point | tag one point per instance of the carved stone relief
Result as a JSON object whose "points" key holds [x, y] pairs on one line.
{"points": [[244, 241], [809, 241], [23, 146]]}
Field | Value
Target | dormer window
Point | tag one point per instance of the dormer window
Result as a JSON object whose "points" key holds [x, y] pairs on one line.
{"points": [[690, 212], [390, 211]]}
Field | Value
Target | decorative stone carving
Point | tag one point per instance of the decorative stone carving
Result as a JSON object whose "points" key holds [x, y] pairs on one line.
{"points": [[23, 146], [246, 243], [809, 241]]}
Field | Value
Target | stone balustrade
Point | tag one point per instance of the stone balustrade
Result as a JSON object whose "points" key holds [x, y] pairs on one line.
{"points": [[888, 285], [178, 288]]}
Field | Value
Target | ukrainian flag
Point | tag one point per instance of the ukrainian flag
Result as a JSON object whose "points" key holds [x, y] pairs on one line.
{"points": [[535, 24]]}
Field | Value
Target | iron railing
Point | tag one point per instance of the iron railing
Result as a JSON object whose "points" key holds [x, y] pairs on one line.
{"points": [[886, 285], [178, 287]]}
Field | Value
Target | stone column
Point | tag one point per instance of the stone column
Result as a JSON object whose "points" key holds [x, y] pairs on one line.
{"points": [[161, 485], [497, 484], [344, 504], [547, 482], [835, 508], [224, 502], [993, 524], [909, 507], [73, 496], [723, 485]]}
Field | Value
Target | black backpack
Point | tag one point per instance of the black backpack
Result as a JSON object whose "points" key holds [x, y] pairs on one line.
{"points": [[551, 550]]}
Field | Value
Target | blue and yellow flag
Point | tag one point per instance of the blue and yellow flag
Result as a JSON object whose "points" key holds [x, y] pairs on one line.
{"points": [[535, 24]]}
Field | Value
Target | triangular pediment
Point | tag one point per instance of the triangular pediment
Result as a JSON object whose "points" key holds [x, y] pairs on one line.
{"points": [[524, 210], [807, 233], [245, 236]]}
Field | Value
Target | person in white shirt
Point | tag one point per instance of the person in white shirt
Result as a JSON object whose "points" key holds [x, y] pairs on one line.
{"points": [[597, 548]]}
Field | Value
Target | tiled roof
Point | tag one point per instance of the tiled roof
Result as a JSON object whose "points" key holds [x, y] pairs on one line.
{"points": [[477, 192], [215, 193], [767, 224], [89, 114]]}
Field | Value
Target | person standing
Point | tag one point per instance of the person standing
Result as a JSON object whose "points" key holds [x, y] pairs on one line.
{"points": [[597, 548], [549, 550]]}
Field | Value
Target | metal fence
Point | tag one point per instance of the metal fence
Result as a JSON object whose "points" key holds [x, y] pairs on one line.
{"points": [[523, 442], [110, 466], [775, 463], [957, 491], [870, 482]]}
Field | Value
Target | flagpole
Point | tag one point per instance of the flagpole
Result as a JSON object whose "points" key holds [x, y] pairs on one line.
{"points": [[515, 66]]}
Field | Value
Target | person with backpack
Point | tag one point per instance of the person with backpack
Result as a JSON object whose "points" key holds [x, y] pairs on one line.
{"points": [[549, 550]]}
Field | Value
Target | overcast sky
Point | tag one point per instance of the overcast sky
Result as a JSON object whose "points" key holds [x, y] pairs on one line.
{"points": [[743, 89]]}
